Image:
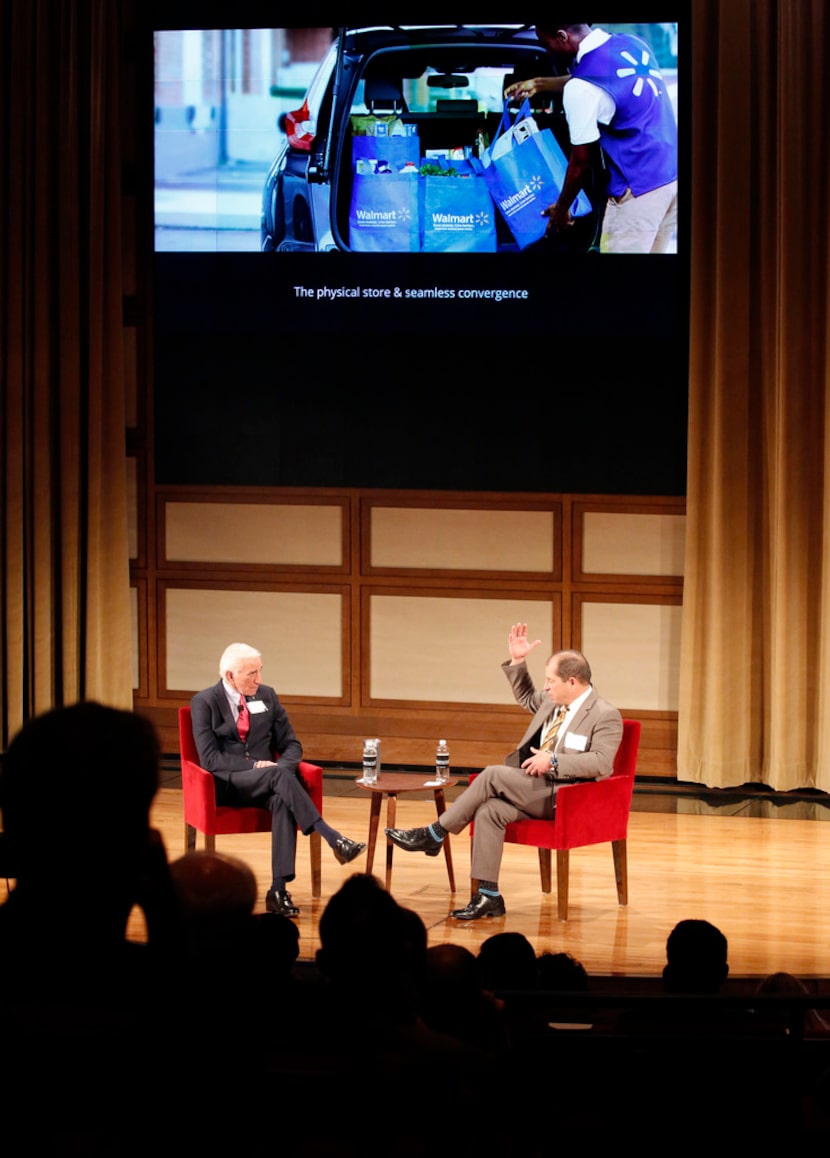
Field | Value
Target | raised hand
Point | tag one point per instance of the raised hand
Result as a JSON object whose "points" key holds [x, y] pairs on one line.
{"points": [[518, 644]]}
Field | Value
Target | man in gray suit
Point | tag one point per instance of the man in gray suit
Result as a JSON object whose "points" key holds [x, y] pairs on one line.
{"points": [[574, 735]]}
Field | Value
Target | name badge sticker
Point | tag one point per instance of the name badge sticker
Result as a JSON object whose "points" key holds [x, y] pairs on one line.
{"points": [[575, 742], [256, 707]]}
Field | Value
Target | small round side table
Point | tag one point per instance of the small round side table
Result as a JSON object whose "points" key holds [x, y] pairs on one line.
{"points": [[390, 785]]}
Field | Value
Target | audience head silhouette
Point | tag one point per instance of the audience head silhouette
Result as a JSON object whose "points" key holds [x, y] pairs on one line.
{"points": [[364, 932], [508, 961], [562, 972], [75, 790], [216, 894], [696, 958]]}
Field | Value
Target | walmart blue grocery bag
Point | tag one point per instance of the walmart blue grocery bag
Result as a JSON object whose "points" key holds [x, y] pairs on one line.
{"points": [[457, 214], [384, 213], [526, 178], [395, 151]]}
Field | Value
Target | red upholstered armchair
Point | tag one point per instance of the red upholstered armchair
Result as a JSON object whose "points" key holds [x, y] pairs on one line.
{"points": [[587, 813], [202, 813]]}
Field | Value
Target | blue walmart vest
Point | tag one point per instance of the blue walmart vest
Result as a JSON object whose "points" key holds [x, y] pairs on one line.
{"points": [[641, 141]]}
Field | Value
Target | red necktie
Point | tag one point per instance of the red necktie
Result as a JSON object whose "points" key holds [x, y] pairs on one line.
{"points": [[243, 721]]}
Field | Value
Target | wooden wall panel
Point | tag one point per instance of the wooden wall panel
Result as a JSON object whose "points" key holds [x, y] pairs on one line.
{"points": [[278, 534], [135, 637], [388, 612], [633, 544], [300, 635], [132, 507], [462, 540], [447, 649], [634, 650]]}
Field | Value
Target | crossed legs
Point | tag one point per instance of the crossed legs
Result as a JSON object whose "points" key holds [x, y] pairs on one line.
{"points": [[283, 793], [498, 796]]}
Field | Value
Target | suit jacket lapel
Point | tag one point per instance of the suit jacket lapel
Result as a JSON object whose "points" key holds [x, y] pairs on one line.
{"points": [[222, 703], [540, 718]]}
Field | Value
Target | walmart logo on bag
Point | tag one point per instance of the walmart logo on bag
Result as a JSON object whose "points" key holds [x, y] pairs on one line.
{"points": [[452, 220], [459, 222], [519, 200], [377, 215], [382, 216]]}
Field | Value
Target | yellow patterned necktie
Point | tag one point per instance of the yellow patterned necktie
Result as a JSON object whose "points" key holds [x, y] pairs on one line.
{"points": [[549, 742]]}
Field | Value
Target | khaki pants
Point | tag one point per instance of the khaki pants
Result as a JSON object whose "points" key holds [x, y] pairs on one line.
{"points": [[644, 224], [499, 795]]}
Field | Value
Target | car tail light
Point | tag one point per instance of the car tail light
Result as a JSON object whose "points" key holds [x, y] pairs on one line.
{"points": [[300, 128]]}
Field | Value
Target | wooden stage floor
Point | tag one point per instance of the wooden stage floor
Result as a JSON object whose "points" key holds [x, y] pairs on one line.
{"points": [[764, 882]]}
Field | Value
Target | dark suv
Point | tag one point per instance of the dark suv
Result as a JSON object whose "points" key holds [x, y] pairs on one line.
{"points": [[443, 85]]}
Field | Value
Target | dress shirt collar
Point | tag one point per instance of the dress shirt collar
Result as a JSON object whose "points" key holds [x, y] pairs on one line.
{"points": [[576, 704], [593, 40], [570, 714], [233, 697]]}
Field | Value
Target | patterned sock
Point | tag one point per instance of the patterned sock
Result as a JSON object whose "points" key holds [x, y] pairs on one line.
{"points": [[489, 888], [436, 831], [278, 885]]}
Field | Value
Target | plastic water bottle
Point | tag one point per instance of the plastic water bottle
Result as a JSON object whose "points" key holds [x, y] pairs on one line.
{"points": [[442, 762], [370, 762]]}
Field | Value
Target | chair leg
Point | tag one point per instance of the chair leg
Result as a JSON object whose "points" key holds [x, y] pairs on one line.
{"points": [[316, 876], [562, 870], [189, 837], [544, 868], [210, 842], [619, 849]]}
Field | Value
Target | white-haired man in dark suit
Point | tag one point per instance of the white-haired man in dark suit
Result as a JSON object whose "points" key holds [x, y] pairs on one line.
{"points": [[238, 725]]}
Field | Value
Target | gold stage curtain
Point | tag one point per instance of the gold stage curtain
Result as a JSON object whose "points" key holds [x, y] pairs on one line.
{"points": [[65, 605], [755, 656]]}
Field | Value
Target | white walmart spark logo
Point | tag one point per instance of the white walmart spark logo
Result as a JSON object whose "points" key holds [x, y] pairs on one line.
{"points": [[404, 215], [482, 218], [640, 69]]}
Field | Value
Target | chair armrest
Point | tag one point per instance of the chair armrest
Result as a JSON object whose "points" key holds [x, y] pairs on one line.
{"points": [[199, 796], [312, 777], [593, 812]]}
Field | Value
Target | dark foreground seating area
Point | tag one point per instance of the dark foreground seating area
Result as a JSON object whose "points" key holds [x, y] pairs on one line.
{"points": [[210, 1035], [217, 1035]]}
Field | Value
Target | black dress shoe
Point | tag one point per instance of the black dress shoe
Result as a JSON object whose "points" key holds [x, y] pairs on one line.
{"points": [[480, 906], [415, 840], [279, 901], [346, 850]]}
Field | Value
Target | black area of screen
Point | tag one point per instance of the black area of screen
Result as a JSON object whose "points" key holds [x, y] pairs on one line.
{"points": [[572, 390]]}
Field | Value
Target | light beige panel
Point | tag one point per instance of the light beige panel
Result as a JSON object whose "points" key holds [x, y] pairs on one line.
{"points": [[134, 636], [298, 633], [634, 651], [254, 533], [462, 540], [629, 544], [132, 507], [450, 649]]}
